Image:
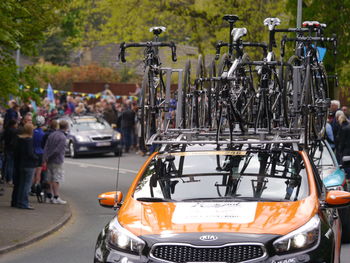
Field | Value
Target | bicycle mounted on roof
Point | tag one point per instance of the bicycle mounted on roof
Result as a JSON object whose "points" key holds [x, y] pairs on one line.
{"points": [[153, 101], [305, 80], [226, 108]]}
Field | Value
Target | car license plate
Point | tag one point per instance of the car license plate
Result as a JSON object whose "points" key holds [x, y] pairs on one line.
{"points": [[103, 144]]}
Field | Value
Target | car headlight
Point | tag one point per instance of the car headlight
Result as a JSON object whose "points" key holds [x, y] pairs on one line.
{"points": [[81, 138], [121, 239], [117, 136], [304, 237]]}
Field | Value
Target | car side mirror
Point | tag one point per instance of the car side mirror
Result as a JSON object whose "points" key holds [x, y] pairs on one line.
{"points": [[335, 198], [110, 199]]}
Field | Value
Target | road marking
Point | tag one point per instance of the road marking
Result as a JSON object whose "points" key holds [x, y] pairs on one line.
{"points": [[86, 165]]}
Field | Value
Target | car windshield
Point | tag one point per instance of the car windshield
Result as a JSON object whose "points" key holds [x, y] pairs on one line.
{"points": [[86, 124], [250, 175]]}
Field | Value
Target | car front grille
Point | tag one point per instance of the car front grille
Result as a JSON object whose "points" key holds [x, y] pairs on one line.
{"points": [[230, 253], [101, 138]]}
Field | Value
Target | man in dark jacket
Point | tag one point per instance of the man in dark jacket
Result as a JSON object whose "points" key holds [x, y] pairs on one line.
{"points": [[127, 126], [110, 114], [53, 159], [10, 138], [11, 114]]}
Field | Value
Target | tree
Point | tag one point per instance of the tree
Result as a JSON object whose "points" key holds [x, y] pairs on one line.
{"points": [[23, 24], [336, 15], [194, 22]]}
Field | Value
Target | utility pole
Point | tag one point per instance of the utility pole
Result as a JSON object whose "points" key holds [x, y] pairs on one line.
{"points": [[299, 13]]}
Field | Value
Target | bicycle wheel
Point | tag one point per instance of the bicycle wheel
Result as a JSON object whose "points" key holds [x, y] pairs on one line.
{"points": [[187, 98], [293, 77], [212, 96], [245, 95], [148, 118], [319, 99], [201, 98], [276, 98], [305, 118]]}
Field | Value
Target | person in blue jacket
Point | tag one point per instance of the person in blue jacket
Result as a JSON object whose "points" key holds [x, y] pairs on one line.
{"points": [[38, 136]]}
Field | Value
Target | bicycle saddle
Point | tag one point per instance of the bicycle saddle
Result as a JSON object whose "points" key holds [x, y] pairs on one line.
{"points": [[237, 33], [231, 18], [271, 22], [157, 29], [312, 24]]}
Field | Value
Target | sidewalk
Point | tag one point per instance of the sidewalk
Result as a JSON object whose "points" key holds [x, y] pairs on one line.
{"points": [[20, 227]]}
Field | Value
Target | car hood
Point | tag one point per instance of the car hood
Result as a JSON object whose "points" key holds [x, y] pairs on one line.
{"points": [[146, 218]]}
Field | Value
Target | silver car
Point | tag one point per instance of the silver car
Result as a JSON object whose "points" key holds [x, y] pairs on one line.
{"points": [[90, 134]]}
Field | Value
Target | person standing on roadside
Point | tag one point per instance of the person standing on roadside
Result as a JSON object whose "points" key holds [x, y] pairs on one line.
{"points": [[24, 163], [10, 138], [27, 119], [47, 189], [53, 126], [343, 147], [38, 150], [11, 114], [127, 125], [53, 159]]}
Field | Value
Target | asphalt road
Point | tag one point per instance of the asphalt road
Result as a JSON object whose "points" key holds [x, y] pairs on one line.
{"points": [[85, 179]]}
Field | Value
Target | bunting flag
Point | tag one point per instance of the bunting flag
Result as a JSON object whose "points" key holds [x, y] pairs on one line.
{"points": [[50, 93]]}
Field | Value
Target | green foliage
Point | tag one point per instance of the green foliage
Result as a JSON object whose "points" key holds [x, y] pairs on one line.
{"points": [[335, 13], [54, 50], [23, 24], [194, 22]]}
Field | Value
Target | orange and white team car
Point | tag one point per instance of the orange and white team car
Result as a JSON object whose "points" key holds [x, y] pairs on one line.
{"points": [[245, 203]]}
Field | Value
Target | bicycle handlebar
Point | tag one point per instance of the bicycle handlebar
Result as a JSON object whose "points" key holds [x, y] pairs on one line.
{"points": [[124, 46], [244, 44], [296, 30], [308, 40]]}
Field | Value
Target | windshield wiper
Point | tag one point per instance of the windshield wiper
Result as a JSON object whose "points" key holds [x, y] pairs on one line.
{"points": [[153, 199]]}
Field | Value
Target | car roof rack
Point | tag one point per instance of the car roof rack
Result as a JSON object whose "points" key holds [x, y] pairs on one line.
{"points": [[205, 136]]}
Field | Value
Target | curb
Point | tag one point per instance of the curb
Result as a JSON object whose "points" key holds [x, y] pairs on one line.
{"points": [[36, 237]]}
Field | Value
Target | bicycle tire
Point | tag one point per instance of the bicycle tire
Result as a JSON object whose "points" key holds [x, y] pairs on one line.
{"points": [[290, 100], [201, 109], [319, 99], [247, 99], [305, 117], [148, 121], [187, 98], [276, 98], [213, 94]]}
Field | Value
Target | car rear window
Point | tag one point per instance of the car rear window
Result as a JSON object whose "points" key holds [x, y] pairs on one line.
{"points": [[222, 175]]}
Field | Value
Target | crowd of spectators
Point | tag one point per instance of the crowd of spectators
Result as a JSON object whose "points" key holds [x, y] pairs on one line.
{"points": [[338, 132], [27, 131]]}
